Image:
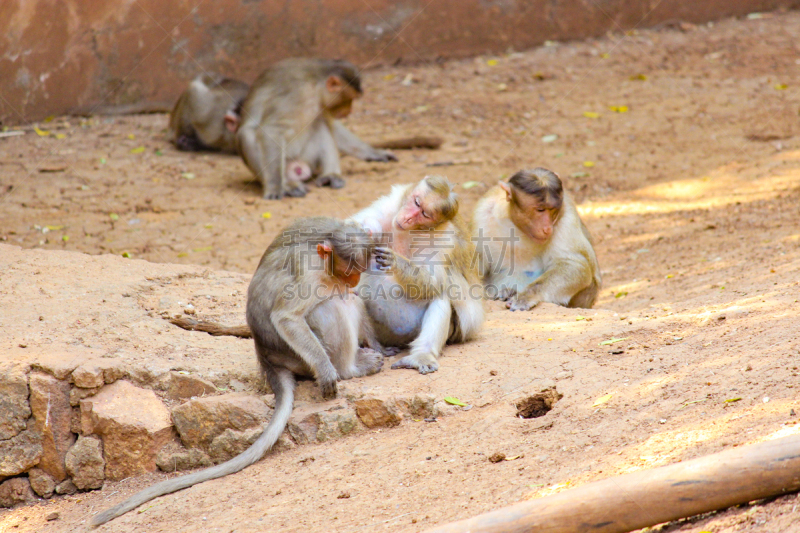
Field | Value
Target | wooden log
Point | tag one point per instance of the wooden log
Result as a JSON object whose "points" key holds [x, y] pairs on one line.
{"points": [[650, 497], [212, 328]]}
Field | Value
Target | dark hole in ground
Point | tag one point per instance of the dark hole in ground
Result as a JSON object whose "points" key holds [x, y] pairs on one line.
{"points": [[539, 404]]}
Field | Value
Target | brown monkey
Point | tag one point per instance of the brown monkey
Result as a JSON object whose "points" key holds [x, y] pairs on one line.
{"points": [[290, 114], [206, 115], [424, 291], [532, 245], [305, 321]]}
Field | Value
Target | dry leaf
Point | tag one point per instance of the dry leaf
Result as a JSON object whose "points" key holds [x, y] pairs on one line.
{"points": [[602, 400]]}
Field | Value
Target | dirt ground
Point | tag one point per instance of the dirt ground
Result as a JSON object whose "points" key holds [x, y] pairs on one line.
{"points": [[681, 146]]}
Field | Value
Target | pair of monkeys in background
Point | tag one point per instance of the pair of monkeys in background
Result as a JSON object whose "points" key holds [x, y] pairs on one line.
{"points": [[416, 289], [286, 127]]}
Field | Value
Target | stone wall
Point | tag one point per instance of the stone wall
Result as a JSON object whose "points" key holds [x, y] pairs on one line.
{"points": [[58, 56], [65, 428]]}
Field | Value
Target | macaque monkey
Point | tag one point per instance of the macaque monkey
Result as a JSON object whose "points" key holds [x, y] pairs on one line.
{"points": [[423, 290], [291, 113], [532, 245], [305, 321], [207, 115]]}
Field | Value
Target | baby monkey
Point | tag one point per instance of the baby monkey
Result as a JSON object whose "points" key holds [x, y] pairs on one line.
{"points": [[305, 321], [532, 245]]}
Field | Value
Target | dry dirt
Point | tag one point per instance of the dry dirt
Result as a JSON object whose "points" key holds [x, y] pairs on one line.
{"points": [[692, 196]]}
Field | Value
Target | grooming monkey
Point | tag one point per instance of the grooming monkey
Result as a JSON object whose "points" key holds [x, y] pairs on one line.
{"points": [[207, 114], [424, 291], [532, 245], [305, 321], [291, 113]]}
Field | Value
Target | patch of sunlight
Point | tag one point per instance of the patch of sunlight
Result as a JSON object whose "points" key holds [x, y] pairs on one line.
{"points": [[663, 448], [786, 431]]}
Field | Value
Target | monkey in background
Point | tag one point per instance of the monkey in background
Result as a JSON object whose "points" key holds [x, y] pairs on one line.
{"points": [[422, 291], [207, 114], [291, 113], [304, 321], [532, 245]]}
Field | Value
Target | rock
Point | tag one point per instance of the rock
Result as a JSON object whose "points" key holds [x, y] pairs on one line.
{"points": [[15, 490], [183, 386], [231, 443], [85, 463], [564, 374], [78, 394], [419, 406], [75, 421], [21, 453], [14, 408], [198, 421], [52, 516], [376, 413], [41, 482], [172, 459], [66, 487], [134, 425], [59, 365], [324, 426], [52, 413], [88, 376]]}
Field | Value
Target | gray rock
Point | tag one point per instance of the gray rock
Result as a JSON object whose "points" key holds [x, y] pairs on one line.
{"points": [[200, 420], [85, 463], [41, 482], [21, 453], [52, 413], [14, 408], [134, 425], [66, 487], [15, 490], [173, 458]]}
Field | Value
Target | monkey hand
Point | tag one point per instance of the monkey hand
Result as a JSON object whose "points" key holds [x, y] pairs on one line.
{"points": [[522, 303], [329, 389], [385, 258], [381, 156], [505, 293]]}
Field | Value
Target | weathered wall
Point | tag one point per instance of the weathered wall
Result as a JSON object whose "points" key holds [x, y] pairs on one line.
{"points": [[56, 55]]}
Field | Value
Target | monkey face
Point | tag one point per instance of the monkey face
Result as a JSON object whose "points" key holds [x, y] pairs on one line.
{"points": [[417, 212], [532, 218], [338, 98]]}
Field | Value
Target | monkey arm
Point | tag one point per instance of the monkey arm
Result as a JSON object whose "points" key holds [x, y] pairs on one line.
{"points": [[349, 143], [562, 279], [424, 281], [289, 319]]}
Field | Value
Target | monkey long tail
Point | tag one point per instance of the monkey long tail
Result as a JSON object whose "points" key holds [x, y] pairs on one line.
{"points": [[212, 328], [283, 386]]}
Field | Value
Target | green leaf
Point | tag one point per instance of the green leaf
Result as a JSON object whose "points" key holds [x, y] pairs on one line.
{"points": [[731, 400], [613, 340], [454, 401]]}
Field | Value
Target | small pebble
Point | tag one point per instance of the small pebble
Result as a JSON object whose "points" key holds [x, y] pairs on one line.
{"points": [[51, 517]]}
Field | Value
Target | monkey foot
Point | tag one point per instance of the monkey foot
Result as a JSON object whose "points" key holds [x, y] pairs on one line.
{"points": [[329, 389], [390, 351], [515, 304], [381, 156], [369, 361], [425, 363], [330, 180]]}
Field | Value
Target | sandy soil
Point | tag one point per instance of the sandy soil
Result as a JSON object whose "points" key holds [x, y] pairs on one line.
{"points": [[690, 186]]}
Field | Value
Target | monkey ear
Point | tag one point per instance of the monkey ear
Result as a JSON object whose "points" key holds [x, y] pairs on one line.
{"points": [[334, 84], [324, 250], [231, 121], [505, 186]]}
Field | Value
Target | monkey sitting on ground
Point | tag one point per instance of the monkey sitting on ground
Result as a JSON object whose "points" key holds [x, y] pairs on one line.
{"points": [[532, 245], [291, 113], [424, 290], [305, 321]]}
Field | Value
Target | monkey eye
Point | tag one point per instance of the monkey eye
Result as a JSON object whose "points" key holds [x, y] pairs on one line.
{"points": [[416, 201], [426, 215], [541, 209]]}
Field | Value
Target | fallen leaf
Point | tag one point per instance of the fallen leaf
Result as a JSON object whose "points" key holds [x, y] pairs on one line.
{"points": [[266, 214], [51, 118], [578, 174], [613, 341], [102, 160], [389, 77], [605, 55], [780, 86], [454, 401], [131, 136], [641, 77], [577, 318], [515, 457], [732, 400], [159, 152], [183, 254], [61, 135], [65, 238], [591, 114], [492, 62], [41, 133], [549, 138], [601, 400], [621, 294], [203, 249], [113, 216], [471, 184], [588, 164], [188, 175], [126, 254], [619, 108], [138, 150], [54, 228]]}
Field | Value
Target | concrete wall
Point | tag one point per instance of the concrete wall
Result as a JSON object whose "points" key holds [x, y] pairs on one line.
{"points": [[57, 55]]}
